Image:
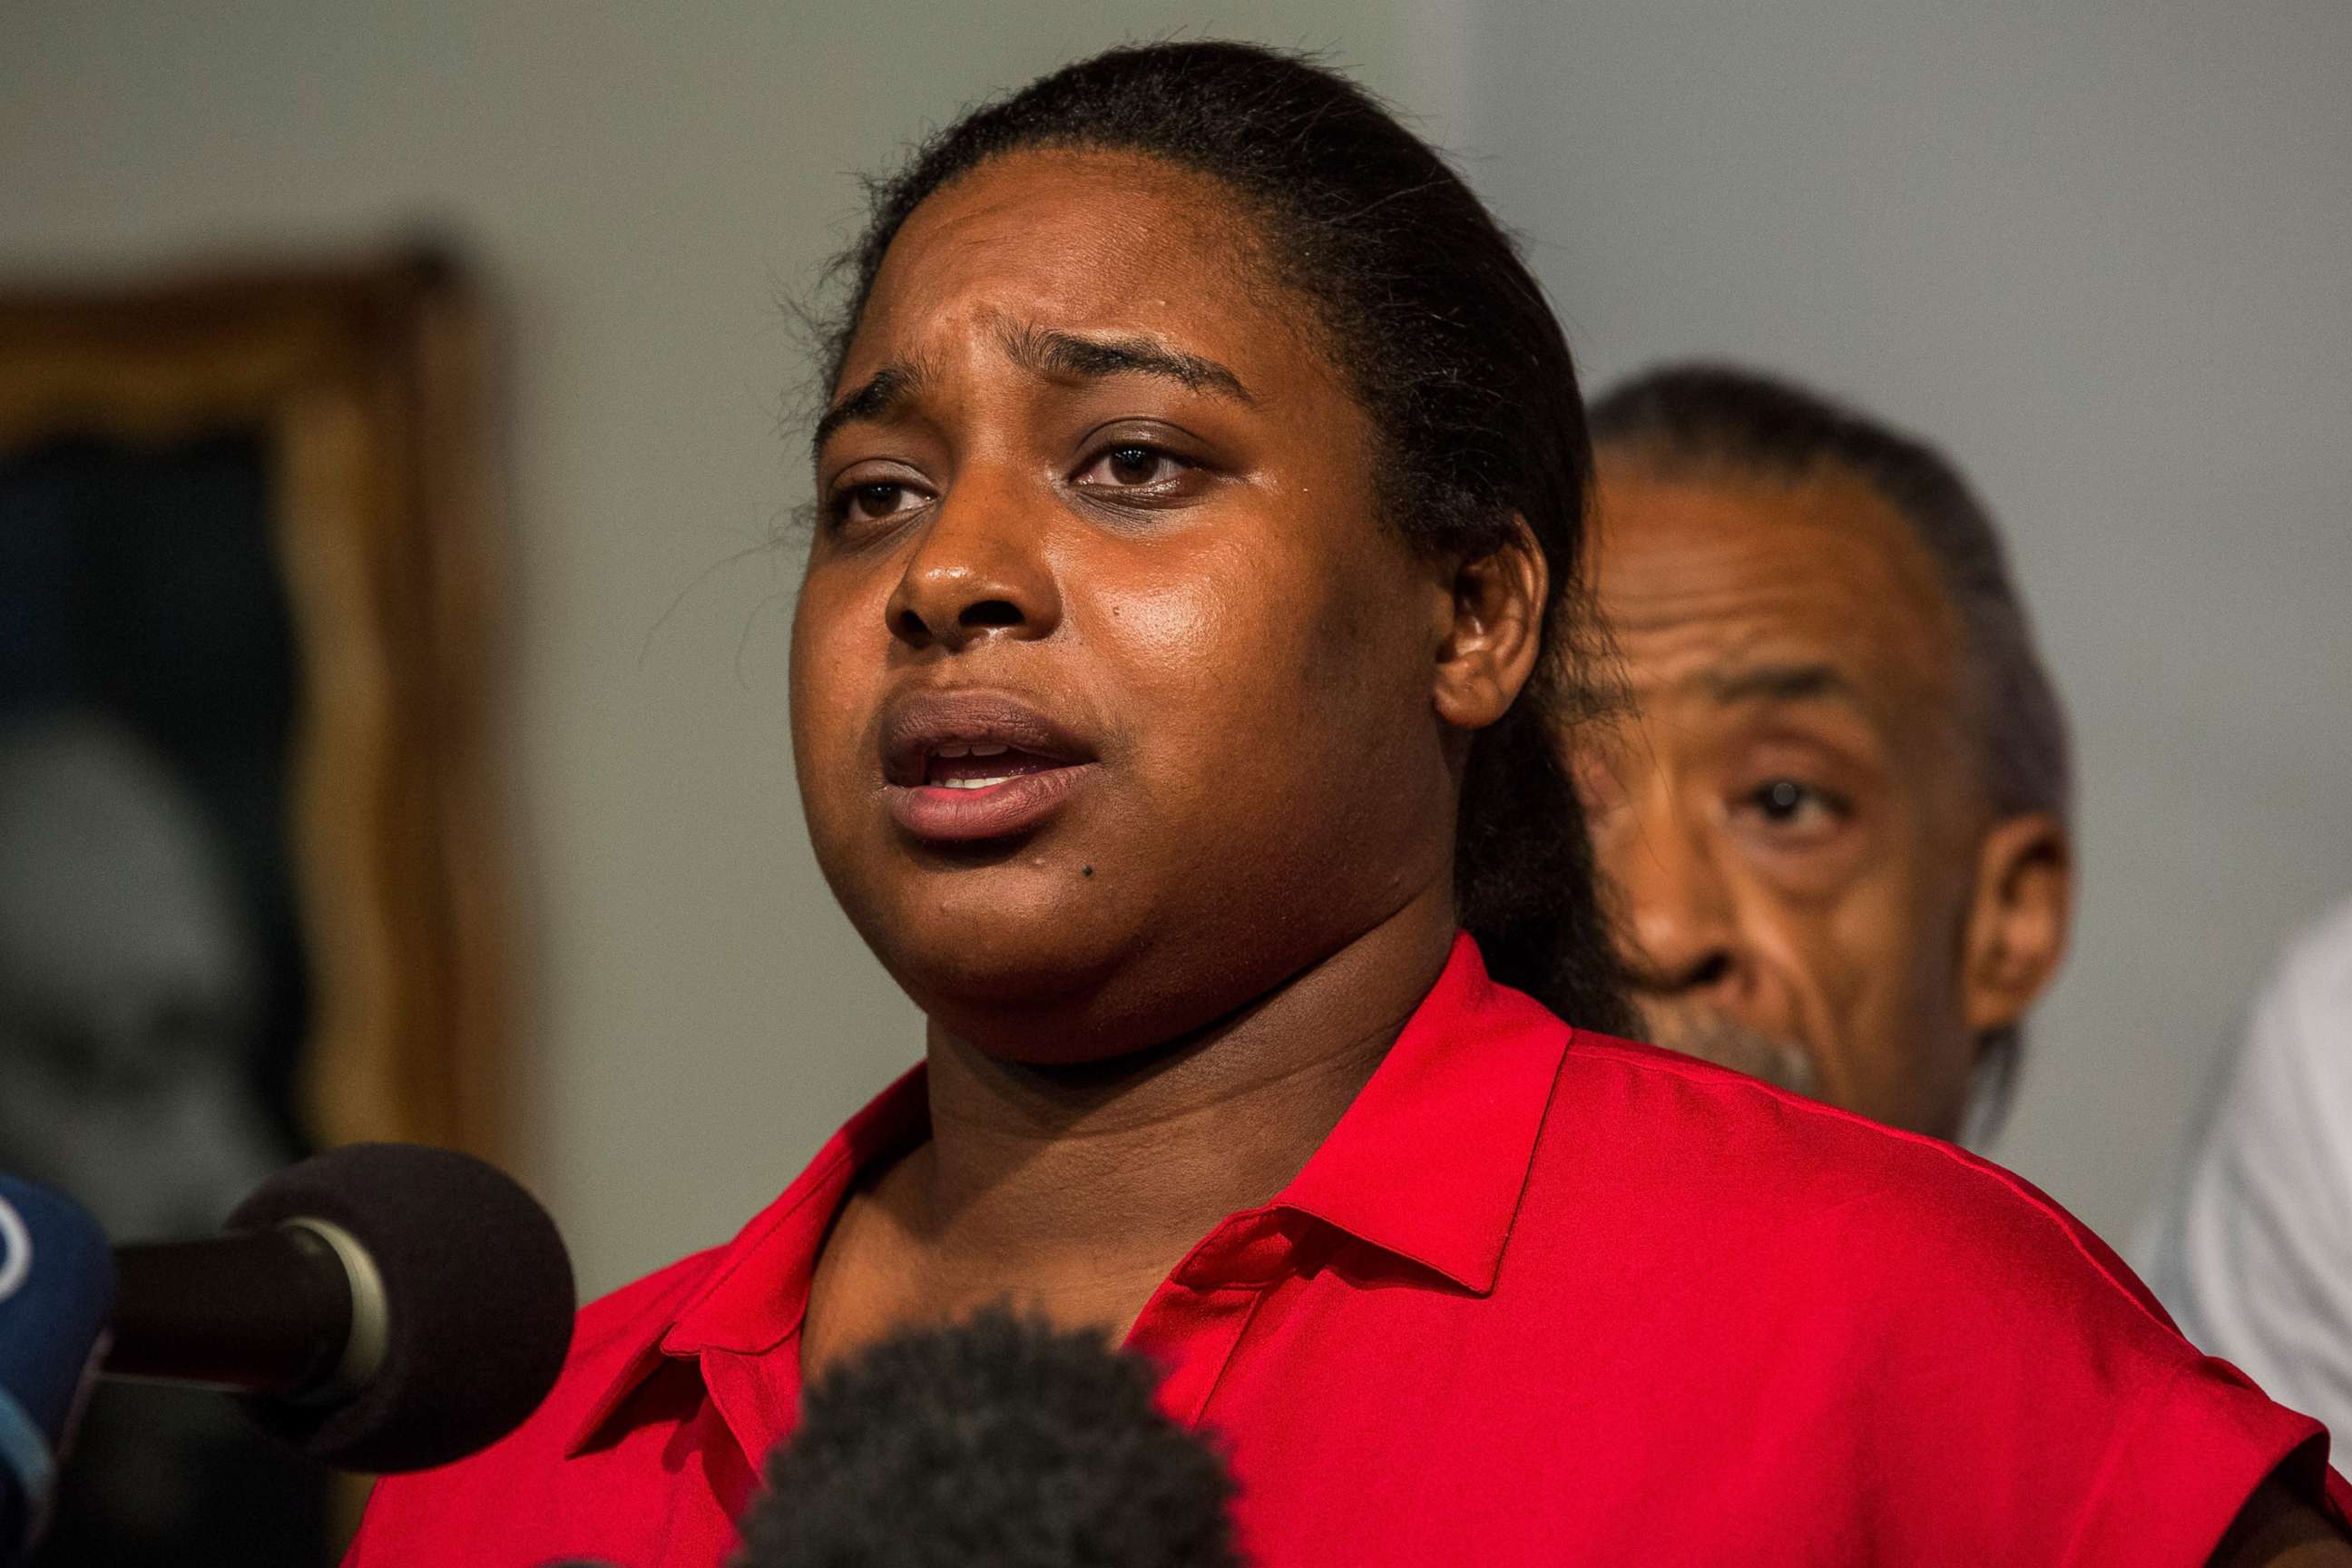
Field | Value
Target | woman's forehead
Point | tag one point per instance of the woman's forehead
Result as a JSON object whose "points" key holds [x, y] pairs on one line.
{"points": [[1086, 243]]}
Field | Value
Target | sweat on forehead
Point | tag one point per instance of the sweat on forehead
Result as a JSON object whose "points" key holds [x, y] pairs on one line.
{"points": [[1150, 225]]}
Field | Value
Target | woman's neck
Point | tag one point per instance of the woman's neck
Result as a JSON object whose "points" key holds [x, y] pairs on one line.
{"points": [[1074, 1191]]}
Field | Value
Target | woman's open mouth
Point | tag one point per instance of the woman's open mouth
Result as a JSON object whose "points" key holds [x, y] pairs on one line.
{"points": [[980, 764], [961, 767]]}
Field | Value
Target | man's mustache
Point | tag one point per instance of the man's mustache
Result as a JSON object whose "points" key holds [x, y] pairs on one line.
{"points": [[1720, 1038]]}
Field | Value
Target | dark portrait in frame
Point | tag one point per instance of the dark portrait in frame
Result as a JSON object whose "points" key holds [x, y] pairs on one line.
{"points": [[248, 906]]}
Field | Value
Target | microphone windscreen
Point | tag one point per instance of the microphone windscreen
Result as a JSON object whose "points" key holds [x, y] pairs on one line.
{"points": [[478, 1297], [57, 1292], [1001, 1443]]}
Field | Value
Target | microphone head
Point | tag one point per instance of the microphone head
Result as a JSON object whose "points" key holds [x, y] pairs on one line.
{"points": [[999, 1443], [477, 1304], [57, 1292]]}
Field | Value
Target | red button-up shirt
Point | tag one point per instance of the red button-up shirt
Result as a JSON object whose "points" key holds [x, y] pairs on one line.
{"points": [[1540, 1296]]}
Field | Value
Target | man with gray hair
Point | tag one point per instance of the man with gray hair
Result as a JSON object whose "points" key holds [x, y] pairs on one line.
{"points": [[1833, 813]]}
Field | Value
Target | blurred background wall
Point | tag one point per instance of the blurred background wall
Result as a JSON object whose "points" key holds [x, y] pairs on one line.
{"points": [[647, 189], [2098, 251]]}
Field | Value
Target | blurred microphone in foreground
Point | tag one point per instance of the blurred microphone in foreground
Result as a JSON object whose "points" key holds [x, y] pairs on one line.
{"points": [[1000, 1443], [57, 1289], [383, 1307]]}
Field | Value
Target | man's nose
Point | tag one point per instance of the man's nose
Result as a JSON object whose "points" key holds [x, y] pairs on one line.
{"points": [[1677, 919], [981, 570]]}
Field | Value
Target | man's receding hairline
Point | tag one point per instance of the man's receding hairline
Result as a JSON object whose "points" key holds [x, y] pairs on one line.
{"points": [[1659, 457], [1728, 474], [1662, 460]]}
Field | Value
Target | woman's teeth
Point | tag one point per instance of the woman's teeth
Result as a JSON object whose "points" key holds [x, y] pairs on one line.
{"points": [[966, 765]]}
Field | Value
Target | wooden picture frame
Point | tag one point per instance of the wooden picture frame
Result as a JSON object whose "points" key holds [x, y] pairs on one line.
{"points": [[363, 386]]}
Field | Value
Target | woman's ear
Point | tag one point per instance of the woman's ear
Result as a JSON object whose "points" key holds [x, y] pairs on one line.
{"points": [[1489, 647], [2017, 924]]}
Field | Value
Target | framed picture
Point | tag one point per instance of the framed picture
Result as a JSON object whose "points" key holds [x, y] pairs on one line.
{"points": [[249, 903]]}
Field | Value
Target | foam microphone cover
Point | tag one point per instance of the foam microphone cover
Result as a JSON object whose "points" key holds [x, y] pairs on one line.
{"points": [[480, 1298], [57, 1292], [1000, 1443]]}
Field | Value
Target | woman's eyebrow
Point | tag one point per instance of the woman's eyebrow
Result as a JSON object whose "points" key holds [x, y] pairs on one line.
{"points": [[870, 399], [1045, 352], [1068, 354]]}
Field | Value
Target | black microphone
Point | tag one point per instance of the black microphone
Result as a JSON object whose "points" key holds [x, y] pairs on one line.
{"points": [[383, 1307], [1000, 1443]]}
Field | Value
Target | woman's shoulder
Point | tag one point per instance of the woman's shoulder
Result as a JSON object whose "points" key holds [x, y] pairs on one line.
{"points": [[1946, 1304], [1835, 1195]]}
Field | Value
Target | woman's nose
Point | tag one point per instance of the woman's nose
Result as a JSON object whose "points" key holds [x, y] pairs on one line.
{"points": [[981, 570]]}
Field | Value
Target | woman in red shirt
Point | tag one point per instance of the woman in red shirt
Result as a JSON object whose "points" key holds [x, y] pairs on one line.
{"points": [[1171, 685]]}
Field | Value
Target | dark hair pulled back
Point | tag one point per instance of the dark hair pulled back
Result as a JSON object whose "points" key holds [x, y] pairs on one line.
{"points": [[1455, 358]]}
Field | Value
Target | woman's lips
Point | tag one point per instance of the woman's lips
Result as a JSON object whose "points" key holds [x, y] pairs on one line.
{"points": [[976, 808], [962, 766]]}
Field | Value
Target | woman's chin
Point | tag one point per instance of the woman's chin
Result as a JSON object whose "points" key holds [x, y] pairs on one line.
{"points": [[1062, 1003], [989, 981]]}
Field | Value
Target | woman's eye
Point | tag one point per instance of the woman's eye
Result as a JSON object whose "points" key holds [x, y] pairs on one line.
{"points": [[871, 502], [1132, 468]]}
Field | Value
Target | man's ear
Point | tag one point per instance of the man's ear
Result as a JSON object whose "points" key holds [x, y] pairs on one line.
{"points": [[2017, 924], [1489, 646]]}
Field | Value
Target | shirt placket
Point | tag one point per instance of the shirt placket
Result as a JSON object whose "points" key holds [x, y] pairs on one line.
{"points": [[1194, 1322]]}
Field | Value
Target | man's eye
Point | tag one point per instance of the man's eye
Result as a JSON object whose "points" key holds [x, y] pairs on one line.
{"points": [[1789, 803], [1132, 467]]}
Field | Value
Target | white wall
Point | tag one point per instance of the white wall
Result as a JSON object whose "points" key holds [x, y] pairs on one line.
{"points": [[643, 182], [2099, 250], [2103, 252]]}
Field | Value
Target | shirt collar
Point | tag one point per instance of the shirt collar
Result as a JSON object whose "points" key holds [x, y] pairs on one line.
{"points": [[749, 1297], [1430, 1159], [1428, 1163]]}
